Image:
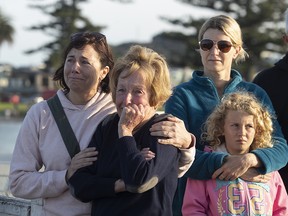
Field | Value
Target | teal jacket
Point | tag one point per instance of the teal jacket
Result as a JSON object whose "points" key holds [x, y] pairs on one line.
{"points": [[192, 102]]}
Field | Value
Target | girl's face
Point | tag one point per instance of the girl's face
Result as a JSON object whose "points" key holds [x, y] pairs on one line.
{"points": [[239, 131], [214, 60], [83, 70]]}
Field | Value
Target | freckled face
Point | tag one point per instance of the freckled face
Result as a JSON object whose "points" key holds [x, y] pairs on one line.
{"points": [[132, 90], [82, 70], [239, 131]]}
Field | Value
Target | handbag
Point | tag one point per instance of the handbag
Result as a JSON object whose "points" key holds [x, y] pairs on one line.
{"points": [[64, 126]]}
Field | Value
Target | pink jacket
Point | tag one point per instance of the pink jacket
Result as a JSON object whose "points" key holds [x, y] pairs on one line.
{"points": [[238, 197], [39, 144]]}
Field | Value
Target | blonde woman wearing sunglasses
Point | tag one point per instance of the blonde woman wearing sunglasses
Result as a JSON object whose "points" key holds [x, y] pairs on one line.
{"points": [[220, 43]]}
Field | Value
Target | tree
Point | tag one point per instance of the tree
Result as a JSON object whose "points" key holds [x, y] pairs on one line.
{"points": [[66, 19], [7, 30], [260, 21]]}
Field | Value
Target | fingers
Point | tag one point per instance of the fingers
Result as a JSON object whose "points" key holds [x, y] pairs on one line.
{"points": [[172, 132], [86, 153], [224, 174], [224, 177], [168, 128], [171, 141], [264, 178], [134, 110], [89, 151], [84, 158], [217, 173], [230, 171], [227, 177], [260, 178], [163, 129], [172, 118], [179, 140], [131, 116], [147, 154]]}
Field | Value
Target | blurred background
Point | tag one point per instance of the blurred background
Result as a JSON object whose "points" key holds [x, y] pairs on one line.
{"points": [[33, 34]]}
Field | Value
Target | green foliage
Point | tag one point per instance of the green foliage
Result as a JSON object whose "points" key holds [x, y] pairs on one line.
{"points": [[7, 30], [66, 19], [19, 110], [261, 22]]}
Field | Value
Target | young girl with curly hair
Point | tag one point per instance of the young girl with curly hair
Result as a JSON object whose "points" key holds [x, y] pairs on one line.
{"points": [[238, 125]]}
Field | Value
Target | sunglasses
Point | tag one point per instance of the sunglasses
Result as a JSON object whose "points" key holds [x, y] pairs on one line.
{"points": [[87, 35], [223, 46]]}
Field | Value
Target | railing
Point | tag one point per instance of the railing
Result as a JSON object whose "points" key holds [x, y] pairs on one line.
{"points": [[4, 172], [20, 207], [11, 206]]}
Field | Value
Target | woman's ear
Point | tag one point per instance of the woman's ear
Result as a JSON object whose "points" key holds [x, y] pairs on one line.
{"points": [[105, 71], [237, 51]]}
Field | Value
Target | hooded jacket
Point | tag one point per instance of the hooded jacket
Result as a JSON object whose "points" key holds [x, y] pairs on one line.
{"points": [[39, 146]]}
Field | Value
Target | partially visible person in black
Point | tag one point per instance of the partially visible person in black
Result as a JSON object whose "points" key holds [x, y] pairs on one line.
{"points": [[273, 80]]}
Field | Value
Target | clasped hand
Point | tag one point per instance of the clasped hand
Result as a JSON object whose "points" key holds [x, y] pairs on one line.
{"points": [[173, 132], [241, 166], [131, 116], [84, 158]]}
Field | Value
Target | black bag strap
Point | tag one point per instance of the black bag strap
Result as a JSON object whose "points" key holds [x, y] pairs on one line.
{"points": [[64, 126]]}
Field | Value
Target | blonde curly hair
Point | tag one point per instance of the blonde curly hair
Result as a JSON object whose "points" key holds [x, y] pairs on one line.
{"points": [[239, 101]]}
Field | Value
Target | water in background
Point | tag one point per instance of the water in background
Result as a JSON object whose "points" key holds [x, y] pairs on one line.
{"points": [[8, 132], [9, 129]]}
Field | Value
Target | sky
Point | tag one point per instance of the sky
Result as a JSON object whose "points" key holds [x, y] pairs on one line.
{"points": [[138, 22]]}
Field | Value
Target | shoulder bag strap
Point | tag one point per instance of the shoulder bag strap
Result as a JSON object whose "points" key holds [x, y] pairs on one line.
{"points": [[64, 126]]}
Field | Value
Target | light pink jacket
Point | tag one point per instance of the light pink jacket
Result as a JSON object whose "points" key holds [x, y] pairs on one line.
{"points": [[39, 143], [238, 197]]}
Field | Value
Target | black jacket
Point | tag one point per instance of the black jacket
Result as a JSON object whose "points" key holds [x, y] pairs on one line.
{"points": [[274, 81], [122, 159]]}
